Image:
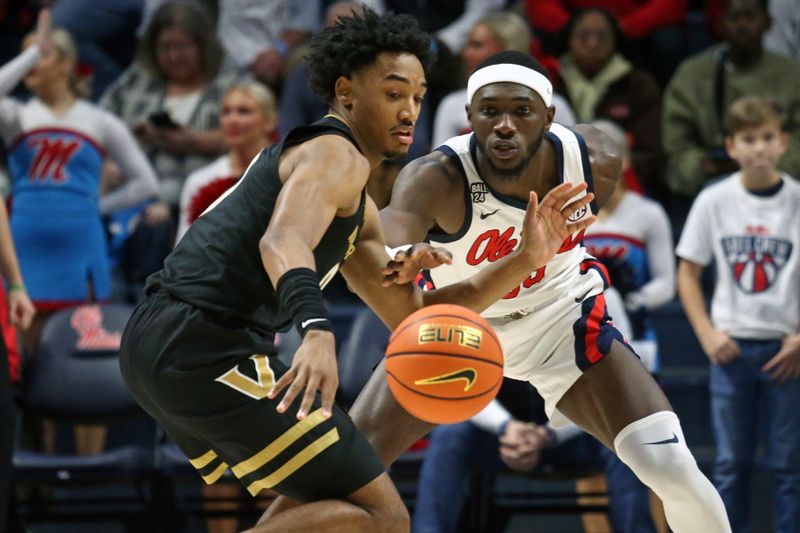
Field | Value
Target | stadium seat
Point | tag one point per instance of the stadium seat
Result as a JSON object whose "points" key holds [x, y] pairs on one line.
{"points": [[74, 377]]}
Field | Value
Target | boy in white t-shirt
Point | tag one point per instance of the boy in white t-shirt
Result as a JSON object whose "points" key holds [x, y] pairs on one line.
{"points": [[749, 224]]}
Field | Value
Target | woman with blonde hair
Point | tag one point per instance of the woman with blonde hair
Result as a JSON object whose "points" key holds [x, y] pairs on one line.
{"points": [[248, 120], [57, 143]]}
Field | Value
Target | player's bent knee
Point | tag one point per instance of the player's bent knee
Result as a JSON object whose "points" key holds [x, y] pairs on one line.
{"points": [[394, 520], [380, 499], [655, 449]]}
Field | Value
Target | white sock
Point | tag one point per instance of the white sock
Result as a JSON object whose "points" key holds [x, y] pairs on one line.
{"points": [[654, 448]]}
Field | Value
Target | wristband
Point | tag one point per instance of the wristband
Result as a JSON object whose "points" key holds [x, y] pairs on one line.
{"points": [[16, 287], [299, 294]]}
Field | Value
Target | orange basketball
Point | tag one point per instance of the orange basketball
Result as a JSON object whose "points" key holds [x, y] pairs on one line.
{"points": [[444, 363]]}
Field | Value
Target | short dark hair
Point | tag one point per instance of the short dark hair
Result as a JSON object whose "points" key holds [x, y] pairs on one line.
{"points": [[753, 112], [194, 20], [515, 58], [621, 44], [355, 42], [763, 4]]}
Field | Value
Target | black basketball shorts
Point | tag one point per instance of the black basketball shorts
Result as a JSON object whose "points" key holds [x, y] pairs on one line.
{"points": [[206, 384]]}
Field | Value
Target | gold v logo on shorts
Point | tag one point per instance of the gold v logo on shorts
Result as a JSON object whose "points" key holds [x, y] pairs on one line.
{"points": [[255, 388], [469, 375]]}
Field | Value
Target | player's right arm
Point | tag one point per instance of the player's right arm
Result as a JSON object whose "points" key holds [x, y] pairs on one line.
{"points": [[323, 178], [428, 193]]}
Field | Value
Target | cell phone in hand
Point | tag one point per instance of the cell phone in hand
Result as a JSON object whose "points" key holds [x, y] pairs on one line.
{"points": [[163, 120]]}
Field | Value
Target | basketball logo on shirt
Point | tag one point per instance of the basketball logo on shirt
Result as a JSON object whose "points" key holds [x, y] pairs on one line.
{"points": [[755, 260], [52, 155]]}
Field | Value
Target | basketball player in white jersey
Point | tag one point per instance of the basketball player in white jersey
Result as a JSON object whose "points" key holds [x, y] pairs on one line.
{"points": [[469, 196]]}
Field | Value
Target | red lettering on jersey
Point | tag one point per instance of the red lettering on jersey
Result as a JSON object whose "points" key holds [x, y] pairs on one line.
{"points": [[531, 280], [51, 157], [490, 246], [512, 294], [535, 278], [571, 242]]}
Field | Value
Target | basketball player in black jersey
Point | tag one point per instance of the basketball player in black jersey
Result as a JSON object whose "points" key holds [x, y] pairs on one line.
{"points": [[198, 353]]}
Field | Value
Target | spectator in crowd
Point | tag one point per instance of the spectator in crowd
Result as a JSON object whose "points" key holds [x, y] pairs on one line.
{"points": [[104, 31], [749, 225], [633, 239], [448, 21], [170, 97], [704, 86], [493, 33], [57, 143], [514, 429], [261, 36], [655, 26], [16, 310], [298, 103], [248, 120], [783, 36], [599, 82]]}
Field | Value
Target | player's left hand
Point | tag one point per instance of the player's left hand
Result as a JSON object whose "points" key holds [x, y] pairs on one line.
{"points": [[547, 224], [408, 263], [20, 308], [785, 365], [313, 369]]}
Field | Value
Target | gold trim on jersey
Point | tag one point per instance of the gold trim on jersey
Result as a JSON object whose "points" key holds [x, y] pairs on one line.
{"points": [[278, 445], [216, 474], [337, 117], [293, 464], [203, 460]]}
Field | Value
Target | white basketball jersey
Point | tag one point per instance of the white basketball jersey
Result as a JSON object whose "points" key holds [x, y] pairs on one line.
{"points": [[493, 223]]}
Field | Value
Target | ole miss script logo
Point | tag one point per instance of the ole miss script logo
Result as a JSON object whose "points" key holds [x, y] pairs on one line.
{"points": [[52, 154], [491, 245], [756, 260]]}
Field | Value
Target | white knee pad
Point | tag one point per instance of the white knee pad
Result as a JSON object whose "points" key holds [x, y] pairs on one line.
{"points": [[655, 449]]}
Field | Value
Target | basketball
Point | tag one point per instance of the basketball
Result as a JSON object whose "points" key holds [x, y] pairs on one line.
{"points": [[444, 363]]}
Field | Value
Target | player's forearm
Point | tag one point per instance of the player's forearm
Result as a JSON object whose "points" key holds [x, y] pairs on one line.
{"points": [[281, 253], [486, 287], [691, 296]]}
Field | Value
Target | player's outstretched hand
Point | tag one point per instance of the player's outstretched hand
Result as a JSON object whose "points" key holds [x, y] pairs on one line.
{"points": [[407, 263], [548, 223], [313, 369]]}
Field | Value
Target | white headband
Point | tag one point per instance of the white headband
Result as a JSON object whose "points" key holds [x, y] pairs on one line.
{"points": [[509, 72]]}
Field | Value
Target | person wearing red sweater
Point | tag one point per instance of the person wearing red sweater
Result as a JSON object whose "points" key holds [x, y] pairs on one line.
{"points": [[656, 22]]}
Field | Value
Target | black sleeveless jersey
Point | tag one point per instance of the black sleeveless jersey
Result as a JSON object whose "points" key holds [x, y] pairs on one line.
{"points": [[217, 265]]}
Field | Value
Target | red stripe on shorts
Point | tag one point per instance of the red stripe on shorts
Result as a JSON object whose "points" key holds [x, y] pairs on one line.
{"points": [[593, 329]]}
